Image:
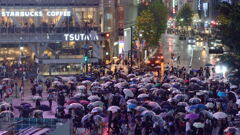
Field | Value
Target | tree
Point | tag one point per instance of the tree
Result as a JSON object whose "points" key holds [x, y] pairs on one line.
{"points": [[159, 11], [229, 25], [146, 26], [184, 16]]}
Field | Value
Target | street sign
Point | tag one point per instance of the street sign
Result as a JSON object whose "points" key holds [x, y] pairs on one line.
{"points": [[9, 91], [86, 46]]}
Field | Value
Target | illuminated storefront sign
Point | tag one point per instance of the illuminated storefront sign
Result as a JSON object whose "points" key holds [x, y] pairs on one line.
{"points": [[35, 13], [81, 37]]}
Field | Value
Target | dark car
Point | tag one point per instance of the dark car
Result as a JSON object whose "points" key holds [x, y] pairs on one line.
{"points": [[182, 37]]}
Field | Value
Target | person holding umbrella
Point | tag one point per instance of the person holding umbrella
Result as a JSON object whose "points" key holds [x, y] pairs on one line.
{"points": [[50, 98]]}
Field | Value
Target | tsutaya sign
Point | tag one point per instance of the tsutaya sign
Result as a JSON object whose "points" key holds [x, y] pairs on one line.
{"points": [[35, 13], [92, 36]]}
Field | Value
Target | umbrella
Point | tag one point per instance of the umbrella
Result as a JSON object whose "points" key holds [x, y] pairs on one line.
{"points": [[76, 106], [7, 114], [119, 85], [198, 125], [84, 102], [56, 82], [37, 111], [131, 75], [222, 94], [192, 116], [220, 115], [128, 93], [153, 104], [95, 84], [207, 113], [176, 91], [180, 96], [94, 98], [81, 87], [159, 91], [79, 95], [208, 65], [142, 90], [200, 93], [97, 104], [195, 100], [5, 104], [143, 96], [148, 113], [86, 82], [172, 77], [86, 118], [37, 98], [132, 101], [233, 87], [195, 79], [6, 79], [198, 106], [113, 109], [131, 106], [97, 110], [140, 108], [209, 105], [184, 104], [157, 85], [231, 129], [166, 86]]}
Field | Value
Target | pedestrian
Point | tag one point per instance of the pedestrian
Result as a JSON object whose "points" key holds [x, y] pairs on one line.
{"points": [[50, 98], [21, 91], [39, 89], [33, 90], [16, 89]]}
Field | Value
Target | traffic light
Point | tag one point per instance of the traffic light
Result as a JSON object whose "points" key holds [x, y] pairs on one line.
{"points": [[107, 35], [85, 58]]}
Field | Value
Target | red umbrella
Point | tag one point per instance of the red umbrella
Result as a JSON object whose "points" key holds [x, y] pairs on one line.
{"points": [[84, 102], [71, 101]]}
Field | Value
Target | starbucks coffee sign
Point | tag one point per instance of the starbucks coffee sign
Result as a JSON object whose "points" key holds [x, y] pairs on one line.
{"points": [[35, 13]]}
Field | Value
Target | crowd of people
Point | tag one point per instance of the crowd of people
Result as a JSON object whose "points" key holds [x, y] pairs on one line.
{"points": [[183, 102]]}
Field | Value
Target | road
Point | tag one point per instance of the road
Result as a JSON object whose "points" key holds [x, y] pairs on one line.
{"points": [[193, 55]]}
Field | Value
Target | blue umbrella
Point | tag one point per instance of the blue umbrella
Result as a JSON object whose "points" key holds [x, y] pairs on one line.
{"points": [[197, 106], [208, 65], [222, 94], [131, 106]]}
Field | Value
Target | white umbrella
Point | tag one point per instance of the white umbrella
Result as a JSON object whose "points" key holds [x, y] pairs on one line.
{"points": [[128, 93], [140, 108], [194, 100], [5, 104], [143, 96], [6, 79], [113, 109], [198, 125], [94, 98], [76, 106], [119, 85], [131, 75], [142, 89], [184, 104], [132, 101], [86, 82], [231, 129], [220, 115], [148, 113], [153, 104], [97, 110], [97, 104], [79, 95], [95, 84], [37, 98], [172, 77], [56, 82], [81, 87], [233, 87], [195, 79], [209, 105], [85, 118], [146, 80]]}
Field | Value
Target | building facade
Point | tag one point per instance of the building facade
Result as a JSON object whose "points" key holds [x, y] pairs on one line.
{"points": [[53, 34]]}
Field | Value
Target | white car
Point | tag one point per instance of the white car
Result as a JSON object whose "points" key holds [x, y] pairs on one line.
{"points": [[191, 40]]}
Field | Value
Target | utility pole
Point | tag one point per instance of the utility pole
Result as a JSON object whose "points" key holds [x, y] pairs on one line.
{"points": [[86, 48], [131, 46]]}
